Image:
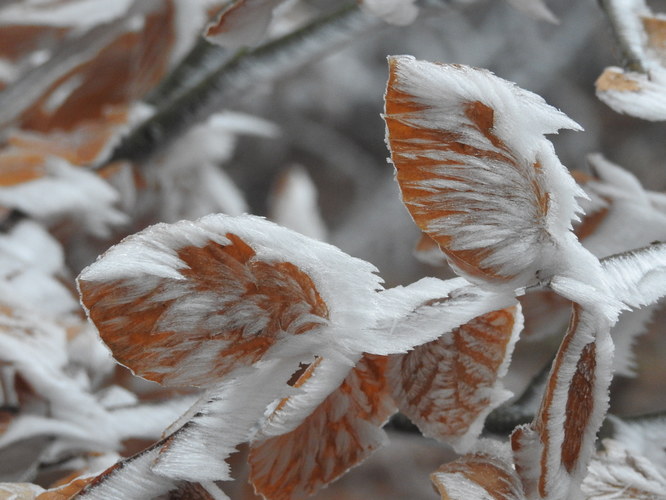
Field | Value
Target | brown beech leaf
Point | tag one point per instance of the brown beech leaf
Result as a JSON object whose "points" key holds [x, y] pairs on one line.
{"points": [[476, 172], [339, 434], [448, 386], [478, 475], [552, 452], [199, 306]]}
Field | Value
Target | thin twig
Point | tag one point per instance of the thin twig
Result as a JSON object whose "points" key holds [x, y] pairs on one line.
{"points": [[268, 61]]}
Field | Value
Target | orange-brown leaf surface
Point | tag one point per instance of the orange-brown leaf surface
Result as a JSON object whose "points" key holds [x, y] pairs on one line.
{"points": [[476, 175], [226, 309], [341, 432]]}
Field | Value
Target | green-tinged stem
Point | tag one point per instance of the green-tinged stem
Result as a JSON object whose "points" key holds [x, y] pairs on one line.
{"points": [[203, 56], [236, 74]]}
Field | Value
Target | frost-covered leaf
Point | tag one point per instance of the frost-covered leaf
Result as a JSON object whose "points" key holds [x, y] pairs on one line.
{"points": [[487, 473], [85, 144], [188, 177], [642, 436], [423, 311], [632, 93], [31, 269], [189, 303], [616, 472], [552, 453], [448, 386], [73, 193], [638, 278], [477, 174], [73, 85], [639, 90], [621, 215], [339, 434]]}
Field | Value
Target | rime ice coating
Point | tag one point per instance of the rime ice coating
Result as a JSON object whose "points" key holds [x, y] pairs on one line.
{"points": [[479, 177]]}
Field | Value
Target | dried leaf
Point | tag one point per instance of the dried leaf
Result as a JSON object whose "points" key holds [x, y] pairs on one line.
{"points": [[341, 432], [617, 473], [476, 173], [553, 452], [190, 303], [483, 474], [448, 386]]}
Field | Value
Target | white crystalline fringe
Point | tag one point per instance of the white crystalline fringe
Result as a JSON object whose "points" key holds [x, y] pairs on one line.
{"points": [[498, 193], [133, 479], [617, 473], [427, 309], [72, 192], [638, 278], [644, 437], [225, 418], [326, 377], [641, 95]]}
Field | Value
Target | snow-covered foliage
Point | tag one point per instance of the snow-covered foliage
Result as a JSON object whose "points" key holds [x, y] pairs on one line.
{"points": [[159, 341]]}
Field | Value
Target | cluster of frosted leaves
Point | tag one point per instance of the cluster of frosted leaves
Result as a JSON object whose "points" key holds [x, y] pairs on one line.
{"points": [[470, 155], [618, 472], [290, 339], [61, 110], [68, 110], [448, 386], [634, 92], [55, 412], [620, 214]]}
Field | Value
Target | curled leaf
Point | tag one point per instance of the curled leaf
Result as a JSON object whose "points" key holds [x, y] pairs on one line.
{"points": [[477, 174]]}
